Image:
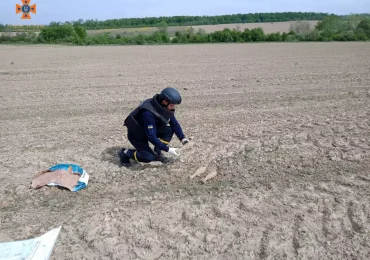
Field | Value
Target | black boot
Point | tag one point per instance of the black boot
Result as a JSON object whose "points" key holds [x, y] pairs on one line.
{"points": [[162, 159], [124, 158]]}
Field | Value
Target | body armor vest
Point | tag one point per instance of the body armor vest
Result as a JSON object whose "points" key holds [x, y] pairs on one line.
{"points": [[162, 114]]}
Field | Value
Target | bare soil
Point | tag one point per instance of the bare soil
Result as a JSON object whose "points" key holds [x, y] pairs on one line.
{"points": [[286, 126]]}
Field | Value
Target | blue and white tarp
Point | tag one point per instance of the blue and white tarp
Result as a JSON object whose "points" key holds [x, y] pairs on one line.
{"points": [[39, 248], [82, 182], [70, 176]]}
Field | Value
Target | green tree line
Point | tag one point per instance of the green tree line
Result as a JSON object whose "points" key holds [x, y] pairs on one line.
{"points": [[184, 20], [198, 20], [331, 28]]}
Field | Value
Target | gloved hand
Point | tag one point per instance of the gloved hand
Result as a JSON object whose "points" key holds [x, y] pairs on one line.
{"points": [[185, 141], [173, 151]]}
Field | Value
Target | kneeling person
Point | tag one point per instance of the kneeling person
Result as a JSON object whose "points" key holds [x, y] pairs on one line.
{"points": [[153, 121]]}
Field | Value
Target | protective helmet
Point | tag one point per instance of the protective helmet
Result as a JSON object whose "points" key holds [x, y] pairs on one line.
{"points": [[171, 95]]}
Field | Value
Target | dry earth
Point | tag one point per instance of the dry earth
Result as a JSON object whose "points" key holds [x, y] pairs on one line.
{"points": [[287, 127]]}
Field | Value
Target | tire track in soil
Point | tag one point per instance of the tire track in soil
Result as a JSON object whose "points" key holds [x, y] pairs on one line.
{"points": [[334, 227]]}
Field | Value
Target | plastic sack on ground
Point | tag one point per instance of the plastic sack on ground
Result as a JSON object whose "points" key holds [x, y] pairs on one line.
{"points": [[70, 176]]}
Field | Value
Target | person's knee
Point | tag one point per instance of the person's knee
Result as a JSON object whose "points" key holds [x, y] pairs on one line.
{"points": [[140, 156], [144, 156]]}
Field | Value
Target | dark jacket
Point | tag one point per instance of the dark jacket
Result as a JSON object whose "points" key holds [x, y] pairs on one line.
{"points": [[148, 118]]}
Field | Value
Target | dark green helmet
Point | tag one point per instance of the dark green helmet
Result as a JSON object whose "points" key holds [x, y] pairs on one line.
{"points": [[171, 95]]}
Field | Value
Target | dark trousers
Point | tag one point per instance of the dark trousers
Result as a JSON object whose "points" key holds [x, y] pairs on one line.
{"points": [[142, 151]]}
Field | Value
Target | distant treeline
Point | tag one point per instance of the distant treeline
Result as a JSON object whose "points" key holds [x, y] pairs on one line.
{"points": [[180, 21], [331, 28], [20, 28], [198, 20], [185, 20]]}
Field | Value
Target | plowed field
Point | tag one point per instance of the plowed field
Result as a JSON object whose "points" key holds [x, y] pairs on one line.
{"points": [[285, 125]]}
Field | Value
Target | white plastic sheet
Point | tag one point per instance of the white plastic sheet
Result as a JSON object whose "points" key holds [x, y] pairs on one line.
{"points": [[39, 248]]}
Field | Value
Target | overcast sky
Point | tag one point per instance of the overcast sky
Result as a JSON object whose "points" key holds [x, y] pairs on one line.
{"points": [[68, 10]]}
